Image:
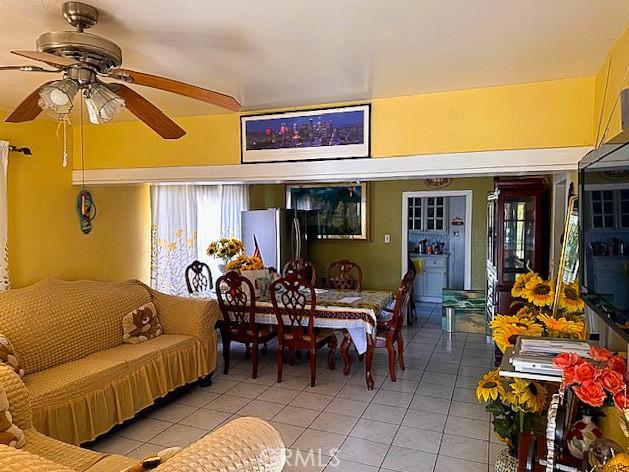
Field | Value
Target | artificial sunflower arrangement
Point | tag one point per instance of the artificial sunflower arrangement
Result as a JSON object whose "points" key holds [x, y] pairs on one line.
{"points": [[225, 249], [507, 328], [244, 263], [516, 406], [539, 292], [535, 297]]}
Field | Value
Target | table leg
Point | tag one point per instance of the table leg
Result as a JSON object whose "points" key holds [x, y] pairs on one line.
{"points": [[345, 344], [368, 364]]}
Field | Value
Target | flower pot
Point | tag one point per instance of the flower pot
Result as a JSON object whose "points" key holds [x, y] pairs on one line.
{"points": [[505, 462], [222, 269], [260, 279]]}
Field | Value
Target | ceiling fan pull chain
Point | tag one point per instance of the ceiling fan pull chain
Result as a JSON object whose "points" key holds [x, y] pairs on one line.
{"points": [[64, 123], [64, 163]]}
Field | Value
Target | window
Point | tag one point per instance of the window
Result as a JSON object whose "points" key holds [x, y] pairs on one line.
{"points": [[185, 219]]}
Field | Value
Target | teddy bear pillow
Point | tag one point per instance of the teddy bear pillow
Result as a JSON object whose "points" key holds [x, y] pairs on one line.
{"points": [[10, 434], [141, 325], [8, 355]]}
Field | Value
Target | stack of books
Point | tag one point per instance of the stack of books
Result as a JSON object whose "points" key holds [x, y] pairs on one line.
{"points": [[535, 355]]}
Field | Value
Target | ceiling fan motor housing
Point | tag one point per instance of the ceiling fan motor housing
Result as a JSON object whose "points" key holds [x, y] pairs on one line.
{"points": [[101, 54]]}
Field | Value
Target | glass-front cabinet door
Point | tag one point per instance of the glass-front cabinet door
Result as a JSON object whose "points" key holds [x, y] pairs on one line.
{"points": [[435, 214], [427, 214], [519, 236], [415, 214]]}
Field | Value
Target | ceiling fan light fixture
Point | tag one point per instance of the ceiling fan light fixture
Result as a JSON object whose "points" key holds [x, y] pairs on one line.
{"points": [[56, 97], [102, 104]]}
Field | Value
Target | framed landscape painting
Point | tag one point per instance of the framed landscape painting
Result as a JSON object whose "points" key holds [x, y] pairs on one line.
{"points": [[329, 133], [335, 211]]}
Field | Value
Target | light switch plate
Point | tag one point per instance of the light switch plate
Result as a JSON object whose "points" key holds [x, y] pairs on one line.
{"points": [[387, 238]]}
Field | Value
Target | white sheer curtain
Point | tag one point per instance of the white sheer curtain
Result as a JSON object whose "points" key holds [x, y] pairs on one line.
{"points": [[174, 236], [219, 208], [185, 220], [5, 283]]}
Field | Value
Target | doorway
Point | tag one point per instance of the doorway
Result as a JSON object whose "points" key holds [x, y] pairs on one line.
{"points": [[437, 239]]}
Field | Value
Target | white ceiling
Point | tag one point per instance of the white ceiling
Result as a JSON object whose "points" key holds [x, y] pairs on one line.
{"points": [[271, 53]]}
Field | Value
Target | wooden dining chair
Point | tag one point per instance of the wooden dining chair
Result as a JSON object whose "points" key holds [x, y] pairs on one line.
{"points": [[198, 277], [386, 313], [345, 275], [412, 306], [236, 300], [302, 267], [294, 303], [389, 332]]}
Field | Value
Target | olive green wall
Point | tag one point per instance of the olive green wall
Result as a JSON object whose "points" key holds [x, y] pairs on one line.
{"points": [[381, 262]]}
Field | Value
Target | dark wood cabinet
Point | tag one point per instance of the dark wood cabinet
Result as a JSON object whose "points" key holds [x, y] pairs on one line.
{"points": [[518, 236]]}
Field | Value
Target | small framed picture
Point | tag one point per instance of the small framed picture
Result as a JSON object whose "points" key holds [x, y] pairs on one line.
{"points": [[328, 133], [335, 210]]}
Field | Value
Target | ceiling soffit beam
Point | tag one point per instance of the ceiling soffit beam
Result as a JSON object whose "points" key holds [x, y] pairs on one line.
{"points": [[468, 164]]}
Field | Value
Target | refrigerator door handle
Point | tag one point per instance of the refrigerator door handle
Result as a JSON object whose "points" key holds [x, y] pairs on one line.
{"points": [[298, 234]]}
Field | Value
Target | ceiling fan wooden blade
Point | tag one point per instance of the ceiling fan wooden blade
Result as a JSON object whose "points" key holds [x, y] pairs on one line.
{"points": [[51, 59], [27, 110], [180, 88], [152, 116]]}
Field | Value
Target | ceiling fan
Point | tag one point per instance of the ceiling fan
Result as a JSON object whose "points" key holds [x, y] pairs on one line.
{"points": [[84, 59]]}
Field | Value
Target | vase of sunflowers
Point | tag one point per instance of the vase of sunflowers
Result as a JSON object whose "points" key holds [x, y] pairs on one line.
{"points": [[253, 269], [225, 249], [516, 405], [534, 296]]}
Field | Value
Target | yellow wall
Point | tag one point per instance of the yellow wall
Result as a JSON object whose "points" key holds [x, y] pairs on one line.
{"points": [[545, 114], [44, 235], [611, 78], [381, 262]]}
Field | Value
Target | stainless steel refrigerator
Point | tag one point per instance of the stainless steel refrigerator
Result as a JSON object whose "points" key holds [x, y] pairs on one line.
{"points": [[281, 235]]}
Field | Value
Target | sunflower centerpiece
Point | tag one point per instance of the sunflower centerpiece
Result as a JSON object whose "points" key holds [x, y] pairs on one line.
{"points": [[516, 405], [225, 249], [534, 296]]}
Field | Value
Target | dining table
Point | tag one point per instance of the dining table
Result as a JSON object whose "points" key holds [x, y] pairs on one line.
{"points": [[355, 313]]}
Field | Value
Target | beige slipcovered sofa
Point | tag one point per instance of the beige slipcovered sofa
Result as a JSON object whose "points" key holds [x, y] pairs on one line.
{"points": [[81, 378], [244, 445]]}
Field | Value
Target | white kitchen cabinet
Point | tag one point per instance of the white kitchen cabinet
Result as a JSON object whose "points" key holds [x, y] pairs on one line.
{"points": [[427, 214], [434, 278]]}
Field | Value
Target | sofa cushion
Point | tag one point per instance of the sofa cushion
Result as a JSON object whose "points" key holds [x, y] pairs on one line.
{"points": [[57, 384], [141, 325], [54, 321], [77, 401]]}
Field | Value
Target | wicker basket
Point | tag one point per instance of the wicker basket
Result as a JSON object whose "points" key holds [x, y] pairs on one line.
{"points": [[505, 462]]}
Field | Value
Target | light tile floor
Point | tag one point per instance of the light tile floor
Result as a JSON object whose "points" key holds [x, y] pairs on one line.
{"points": [[427, 421]]}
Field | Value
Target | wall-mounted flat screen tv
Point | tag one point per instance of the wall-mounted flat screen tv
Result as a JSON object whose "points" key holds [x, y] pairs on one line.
{"points": [[604, 222]]}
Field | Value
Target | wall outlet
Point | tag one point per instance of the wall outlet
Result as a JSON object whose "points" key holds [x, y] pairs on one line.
{"points": [[387, 238]]}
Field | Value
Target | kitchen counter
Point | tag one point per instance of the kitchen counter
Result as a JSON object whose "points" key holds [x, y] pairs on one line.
{"points": [[432, 276]]}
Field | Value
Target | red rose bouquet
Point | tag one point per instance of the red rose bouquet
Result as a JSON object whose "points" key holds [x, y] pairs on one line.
{"points": [[600, 380]]}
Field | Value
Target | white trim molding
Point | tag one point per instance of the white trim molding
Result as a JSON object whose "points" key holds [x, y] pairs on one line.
{"points": [[468, 194], [510, 162]]}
